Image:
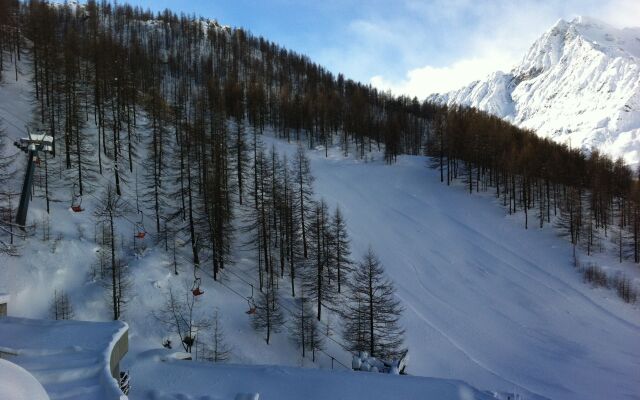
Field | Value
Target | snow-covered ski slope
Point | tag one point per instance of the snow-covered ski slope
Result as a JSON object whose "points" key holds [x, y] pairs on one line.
{"points": [[65, 263], [486, 301]]}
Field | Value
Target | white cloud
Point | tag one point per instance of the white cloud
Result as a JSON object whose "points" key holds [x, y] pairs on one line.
{"points": [[621, 13], [479, 38], [421, 82]]}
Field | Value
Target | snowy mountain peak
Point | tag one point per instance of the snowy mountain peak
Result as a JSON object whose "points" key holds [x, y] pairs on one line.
{"points": [[607, 38], [589, 22], [545, 52], [581, 34], [579, 84]]}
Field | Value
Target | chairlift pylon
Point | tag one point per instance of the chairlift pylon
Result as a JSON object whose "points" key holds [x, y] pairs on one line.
{"points": [[32, 145]]}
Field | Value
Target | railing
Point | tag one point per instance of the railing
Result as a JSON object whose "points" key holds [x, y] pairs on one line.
{"points": [[117, 353], [110, 379]]}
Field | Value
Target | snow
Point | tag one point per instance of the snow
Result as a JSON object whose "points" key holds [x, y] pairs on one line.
{"points": [[18, 384], [4, 298], [190, 380], [36, 141], [69, 358], [363, 362], [487, 302], [579, 84]]}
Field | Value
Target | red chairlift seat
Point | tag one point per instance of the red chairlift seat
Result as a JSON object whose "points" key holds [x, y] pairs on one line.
{"points": [[76, 201], [139, 227], [195, 289], [252, 306]]}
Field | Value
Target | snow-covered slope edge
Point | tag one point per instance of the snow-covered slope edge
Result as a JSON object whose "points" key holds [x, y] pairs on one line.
{"points": [[578, 84], [161, 378], [19, 384], [69, 358]]}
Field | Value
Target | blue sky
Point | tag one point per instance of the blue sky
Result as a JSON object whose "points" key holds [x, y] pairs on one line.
{"points": [[415, 47]]}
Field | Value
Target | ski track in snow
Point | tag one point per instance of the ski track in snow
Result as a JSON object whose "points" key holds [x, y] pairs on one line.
{"points": [[508, 300]]}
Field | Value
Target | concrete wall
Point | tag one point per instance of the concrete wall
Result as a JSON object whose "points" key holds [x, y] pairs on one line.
{"points": [[119, 350]]}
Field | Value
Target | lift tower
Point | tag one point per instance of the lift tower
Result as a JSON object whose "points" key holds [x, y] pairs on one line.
{"points": [[31, 145]]}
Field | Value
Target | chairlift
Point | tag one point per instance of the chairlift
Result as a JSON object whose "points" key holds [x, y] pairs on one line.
{"points": [[76, 201], [196, 287], [252, 304], [140, 231]]}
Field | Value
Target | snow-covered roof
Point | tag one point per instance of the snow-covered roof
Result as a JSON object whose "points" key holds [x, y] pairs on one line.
{"points": [[18, 384], [70, 358], [4, 298]]}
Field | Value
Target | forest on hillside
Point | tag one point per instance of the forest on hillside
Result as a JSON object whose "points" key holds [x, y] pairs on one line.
{"points": [[169, 110]]}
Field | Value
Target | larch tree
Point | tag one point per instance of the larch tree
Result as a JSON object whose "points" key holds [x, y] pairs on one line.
{"points": [[303, 191], [182, 315], [304, 328], [6, 202], [371, 320], [268, 317], [108, 211], [61, 307], [219, 351], [317, 280], [341, 249]]}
